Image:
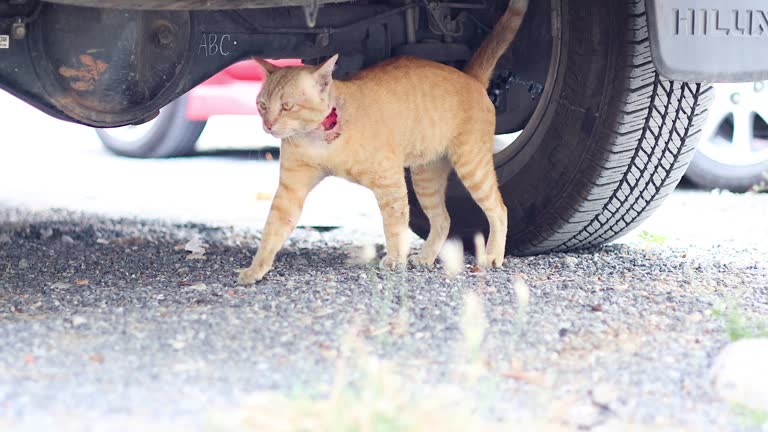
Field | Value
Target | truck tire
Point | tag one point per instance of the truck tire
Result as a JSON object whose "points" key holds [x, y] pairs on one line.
{"points": [[608, 141], [170, 134]]}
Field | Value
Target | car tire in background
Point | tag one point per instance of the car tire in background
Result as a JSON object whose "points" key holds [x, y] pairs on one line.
{"points": [[608, 141], [733, 152], [170, 134]]}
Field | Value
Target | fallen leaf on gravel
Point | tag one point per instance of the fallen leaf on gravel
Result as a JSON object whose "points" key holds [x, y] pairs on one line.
{"points": [[327, 351], [373, 331], [96, 358], [197, 248], [81, 282], [475, 269], [516, 373], [178, 344], [323, 312]]}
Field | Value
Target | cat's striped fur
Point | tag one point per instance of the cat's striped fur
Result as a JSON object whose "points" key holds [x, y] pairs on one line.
{"points": [[404, 112]]}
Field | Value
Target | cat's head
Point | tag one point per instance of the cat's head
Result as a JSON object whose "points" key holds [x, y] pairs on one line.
{"points": [[295, 100]]}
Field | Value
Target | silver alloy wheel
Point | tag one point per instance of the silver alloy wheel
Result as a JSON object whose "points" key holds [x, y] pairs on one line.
{"points": [[729, 135]]}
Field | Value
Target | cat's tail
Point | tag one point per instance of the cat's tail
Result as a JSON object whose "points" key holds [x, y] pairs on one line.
{"points": [[482, 63]]}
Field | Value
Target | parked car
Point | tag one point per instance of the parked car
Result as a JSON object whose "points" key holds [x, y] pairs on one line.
{"points": [[733, 152], [725, 158], [605, 98]]}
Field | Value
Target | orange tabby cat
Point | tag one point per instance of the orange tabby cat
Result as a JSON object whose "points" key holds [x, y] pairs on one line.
{"points": [[404, 112]]}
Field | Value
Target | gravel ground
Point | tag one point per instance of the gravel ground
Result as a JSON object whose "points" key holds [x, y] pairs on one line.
{"points": [[105, 324]]}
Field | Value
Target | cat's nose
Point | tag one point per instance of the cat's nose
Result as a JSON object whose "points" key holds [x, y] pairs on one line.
{"points": [[267, 125]]}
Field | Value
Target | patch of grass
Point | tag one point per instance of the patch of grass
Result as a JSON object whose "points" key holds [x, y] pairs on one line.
{"points": [[652, 239], [372, 395], [752, 418], [738, 325]]}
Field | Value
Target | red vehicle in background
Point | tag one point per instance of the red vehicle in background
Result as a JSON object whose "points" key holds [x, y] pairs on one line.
{"points": [[174, 132], [721, 162]]}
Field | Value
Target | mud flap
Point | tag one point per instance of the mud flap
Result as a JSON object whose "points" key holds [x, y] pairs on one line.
{"points": [[709, 40]]}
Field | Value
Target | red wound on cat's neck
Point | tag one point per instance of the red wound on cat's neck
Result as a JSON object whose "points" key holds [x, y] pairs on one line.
{"points": [[330, 120]]}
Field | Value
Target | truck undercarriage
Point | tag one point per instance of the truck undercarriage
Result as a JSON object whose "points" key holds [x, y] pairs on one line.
{"points": [[124, 65]]}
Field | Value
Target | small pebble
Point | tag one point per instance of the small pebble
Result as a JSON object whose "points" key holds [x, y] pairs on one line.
{"points": [[739, 374], [570, 262], [46, 233], [583, 415], [604, 395]]}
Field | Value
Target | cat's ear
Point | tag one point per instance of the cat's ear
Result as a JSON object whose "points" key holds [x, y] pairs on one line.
{"points": [[267, 66], [324, 73]]}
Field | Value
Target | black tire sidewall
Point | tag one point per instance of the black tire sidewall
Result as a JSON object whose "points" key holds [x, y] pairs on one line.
{"points": [[709, 173], [603, 149], [551, 175], [171, 135], [545, 169]]}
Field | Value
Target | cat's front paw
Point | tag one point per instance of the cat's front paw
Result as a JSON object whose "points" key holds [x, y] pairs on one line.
{"points": [[420, 260], [252, 274], [495, 260], [392, 263]]}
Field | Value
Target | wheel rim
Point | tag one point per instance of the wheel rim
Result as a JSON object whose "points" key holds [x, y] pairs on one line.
{"points": [[508, 147], [736, 130]]}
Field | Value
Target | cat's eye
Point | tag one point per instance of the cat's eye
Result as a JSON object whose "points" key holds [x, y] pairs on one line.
{"points": [[287, 106], [262, 106]]}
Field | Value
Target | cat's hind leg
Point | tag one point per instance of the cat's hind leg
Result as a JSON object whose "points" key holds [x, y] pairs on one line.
{"points": [[429, 182], [472, 158]]}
